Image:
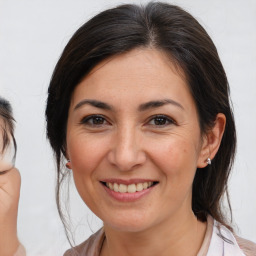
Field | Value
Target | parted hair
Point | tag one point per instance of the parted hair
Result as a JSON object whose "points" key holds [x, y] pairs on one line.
{"points": [[179, 35], [6, 125]]}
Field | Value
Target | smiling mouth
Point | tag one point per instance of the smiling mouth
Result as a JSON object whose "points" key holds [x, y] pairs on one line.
{"points": [[131, 188]]}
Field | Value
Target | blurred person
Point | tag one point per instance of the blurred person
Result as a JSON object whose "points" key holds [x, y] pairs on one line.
{"points": [[10, 182]]}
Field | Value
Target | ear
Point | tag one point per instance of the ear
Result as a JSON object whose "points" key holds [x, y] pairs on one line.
{"points": [[68, 163], [212, 140]]}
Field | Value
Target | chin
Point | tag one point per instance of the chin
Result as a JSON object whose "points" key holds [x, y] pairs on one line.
{"points": [[128, 228], [131, 224]]}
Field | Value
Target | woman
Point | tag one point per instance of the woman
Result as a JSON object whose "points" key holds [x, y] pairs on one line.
{"points": [[138, 107], [9, 184]]}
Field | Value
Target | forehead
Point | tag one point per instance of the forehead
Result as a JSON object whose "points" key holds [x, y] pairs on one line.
{"points": [[141, 72], [139, 63]]}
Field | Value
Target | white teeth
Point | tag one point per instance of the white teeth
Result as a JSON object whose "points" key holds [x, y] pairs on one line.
{"points": [[139, 187], [110, 185], [122, 188], [132, 188], [115, 187], [145, 185]]}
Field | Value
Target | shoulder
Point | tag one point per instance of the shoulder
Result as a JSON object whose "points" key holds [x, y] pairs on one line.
{"points": [[248, 247], [91, 246]]}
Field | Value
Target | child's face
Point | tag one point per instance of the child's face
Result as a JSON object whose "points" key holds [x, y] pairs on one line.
{"points": [[7, 154]]}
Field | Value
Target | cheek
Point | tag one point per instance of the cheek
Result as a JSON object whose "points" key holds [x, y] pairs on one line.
{"points": [[84, 154], [177, 160], [172, 152]]}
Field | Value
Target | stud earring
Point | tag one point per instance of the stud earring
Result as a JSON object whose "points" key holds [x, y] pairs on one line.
{"points": [[68, 164], [209, 161]]}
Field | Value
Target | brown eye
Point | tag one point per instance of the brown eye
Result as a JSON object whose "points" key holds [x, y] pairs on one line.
{"points": [[94, 120], [97, 120], [161, 120]]}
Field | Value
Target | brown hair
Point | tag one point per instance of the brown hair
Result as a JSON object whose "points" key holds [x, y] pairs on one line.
{"points": [[7, 126], [174, 31]]}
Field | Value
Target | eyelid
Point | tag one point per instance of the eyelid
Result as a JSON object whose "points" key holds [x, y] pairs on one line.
{"points": [[168, 118], [85, 119]]}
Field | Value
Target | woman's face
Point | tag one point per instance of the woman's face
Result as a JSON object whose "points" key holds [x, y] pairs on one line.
{"points": [[134, 141]]}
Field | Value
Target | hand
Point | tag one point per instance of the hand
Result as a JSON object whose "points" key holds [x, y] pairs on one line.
{"points": [[10, 182]]}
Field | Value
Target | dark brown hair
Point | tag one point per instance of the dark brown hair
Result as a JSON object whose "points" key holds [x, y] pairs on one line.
{"points": [[7, 126], [175, 32]]}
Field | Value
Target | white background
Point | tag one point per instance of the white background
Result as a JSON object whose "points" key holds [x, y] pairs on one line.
{"points": [[33, 34]]}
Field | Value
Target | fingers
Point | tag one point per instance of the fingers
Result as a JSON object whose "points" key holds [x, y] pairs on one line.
{"points": [[10, 183], [13, 169], [4, 172], [7, 170], [11, 180], [5, 166]]}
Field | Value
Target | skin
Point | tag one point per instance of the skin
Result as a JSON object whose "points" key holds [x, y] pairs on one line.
{"points": [[9, 199], [130, 144], [6, 156]]}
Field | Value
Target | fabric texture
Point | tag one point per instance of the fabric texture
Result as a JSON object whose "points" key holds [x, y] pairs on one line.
{"points": [[248, 247], [218, 241], [90, 247]]}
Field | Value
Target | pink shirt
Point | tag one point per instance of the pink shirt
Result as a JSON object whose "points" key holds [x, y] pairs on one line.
{"points": [[213, 244]]}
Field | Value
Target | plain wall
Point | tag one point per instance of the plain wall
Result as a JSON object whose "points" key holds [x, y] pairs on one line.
{"points": [[33, 34]]}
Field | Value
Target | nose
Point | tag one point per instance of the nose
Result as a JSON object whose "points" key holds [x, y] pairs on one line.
{"points": [[127, 151]]}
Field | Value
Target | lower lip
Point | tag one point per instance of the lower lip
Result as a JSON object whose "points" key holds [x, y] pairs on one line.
{"points": [[127, 197]]}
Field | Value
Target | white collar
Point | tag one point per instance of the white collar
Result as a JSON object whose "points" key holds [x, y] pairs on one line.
{"points": [[223, 242]]}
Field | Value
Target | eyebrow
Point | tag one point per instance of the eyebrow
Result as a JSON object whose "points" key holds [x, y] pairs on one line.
{"points": [[94, 103], [159, 103], [142, 107]]}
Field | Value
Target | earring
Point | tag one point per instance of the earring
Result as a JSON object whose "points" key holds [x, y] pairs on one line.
{"points": [[68, 164], [209, 161]]}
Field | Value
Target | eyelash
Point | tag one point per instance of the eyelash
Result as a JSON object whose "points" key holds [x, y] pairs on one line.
{"points": [[92, 118], [162, 118], [157, 118]]}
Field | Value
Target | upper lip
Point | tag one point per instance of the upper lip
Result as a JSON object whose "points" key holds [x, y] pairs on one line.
{"points": [[127, 182]]}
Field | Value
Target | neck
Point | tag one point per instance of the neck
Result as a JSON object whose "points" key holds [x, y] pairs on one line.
{"points": [[180, 236]]}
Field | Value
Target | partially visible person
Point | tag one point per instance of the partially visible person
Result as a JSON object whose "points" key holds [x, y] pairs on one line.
{"points": [[10, 182], [7, 139]]}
